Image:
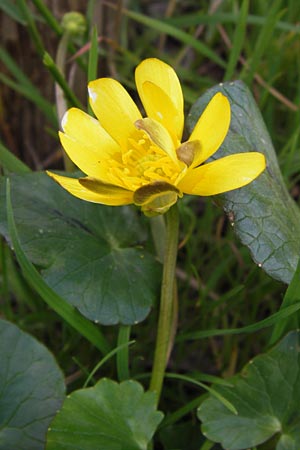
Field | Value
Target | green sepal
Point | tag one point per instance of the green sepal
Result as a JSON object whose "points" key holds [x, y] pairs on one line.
{"points": [[156, 198]]}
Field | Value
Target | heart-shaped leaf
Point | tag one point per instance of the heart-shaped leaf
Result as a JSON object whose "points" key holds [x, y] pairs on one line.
{"points": [[266, 395], [108, 416], [31, 389], [92, 255], [265, 217]]}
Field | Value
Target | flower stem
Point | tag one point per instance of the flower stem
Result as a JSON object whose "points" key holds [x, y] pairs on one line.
{"points": [[166, 313], [123, 354], [158, 231]]}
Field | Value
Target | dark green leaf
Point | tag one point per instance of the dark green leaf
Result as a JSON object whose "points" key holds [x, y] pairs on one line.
{"points": [[265, 217], [31, 390], [108, 416], [70, 314], [266, 396], [91, 255]]}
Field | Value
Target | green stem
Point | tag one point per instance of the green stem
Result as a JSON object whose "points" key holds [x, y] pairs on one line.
{"points": [[48, 16], [166, 313], [60, 80], [158, 231], [207, 445], [123, 353]]}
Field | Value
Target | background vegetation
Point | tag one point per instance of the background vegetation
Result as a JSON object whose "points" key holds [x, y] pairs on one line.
{"points": [[207, 42]]}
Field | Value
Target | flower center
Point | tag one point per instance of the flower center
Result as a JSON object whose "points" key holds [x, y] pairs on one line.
{"points": [[141, 163]]}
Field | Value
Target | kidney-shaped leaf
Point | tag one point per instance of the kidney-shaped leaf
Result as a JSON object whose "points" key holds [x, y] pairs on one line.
{"points": [[108, 416], [92, 255], [31, 390], [266, 395], [265, 217]]}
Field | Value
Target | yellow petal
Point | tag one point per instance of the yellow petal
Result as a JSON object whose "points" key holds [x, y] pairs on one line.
{"points": [[84, 157], [211, 128], [159, 135], [88, 131], [224, 174], [114, 108], [87, 143], [160, 91], [107, 195]]}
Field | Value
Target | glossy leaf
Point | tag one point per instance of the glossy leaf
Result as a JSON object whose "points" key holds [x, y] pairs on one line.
{"points": [[70, 314], [31, 389], [264, 216], [108, 416], [91, 255], [266, 395]]}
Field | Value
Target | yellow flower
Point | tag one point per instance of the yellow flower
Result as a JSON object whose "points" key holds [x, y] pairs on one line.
{"points": [[131, 159]]}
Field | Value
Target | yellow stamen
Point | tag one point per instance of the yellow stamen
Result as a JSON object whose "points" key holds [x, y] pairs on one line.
{"points": [[141, 163]]}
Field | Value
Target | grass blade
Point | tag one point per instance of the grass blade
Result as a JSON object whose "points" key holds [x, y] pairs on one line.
{"points": [[10, 162], [238, 41], [106, 358], [48, 16], [61, 81], [269, 321], [212, 391], [291, 297], [186, 20], [25, 86], [182, 36], [93, 56], [15, 70], [33, 31], [9, 8], [262, 42]]}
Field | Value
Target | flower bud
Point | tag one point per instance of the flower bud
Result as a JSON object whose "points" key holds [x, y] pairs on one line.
{"points": [[74, 23]]}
